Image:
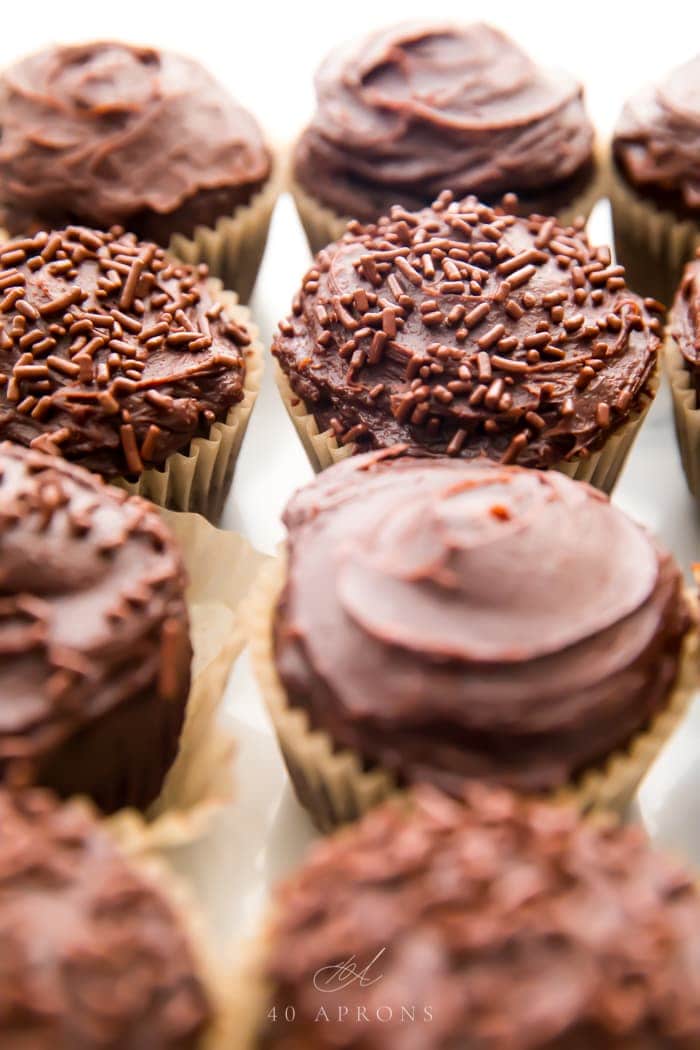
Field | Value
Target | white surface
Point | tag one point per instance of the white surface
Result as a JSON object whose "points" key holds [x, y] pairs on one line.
{"points": [[266, 53]]}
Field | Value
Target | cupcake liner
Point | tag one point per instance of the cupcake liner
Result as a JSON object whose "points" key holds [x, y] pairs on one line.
{"points": [[200, 780], [686, 414], [336, 786], [322, 225], [199, 478], [234, 248], [652, 243], [600, 467]]}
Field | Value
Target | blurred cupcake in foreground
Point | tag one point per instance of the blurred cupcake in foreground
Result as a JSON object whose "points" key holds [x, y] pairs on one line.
{"points": [[436, 621], [106, 133], [656, 181], [94, 953], [496, 924], [416, 109], [125, 361], [463, 330], [94, 642]]}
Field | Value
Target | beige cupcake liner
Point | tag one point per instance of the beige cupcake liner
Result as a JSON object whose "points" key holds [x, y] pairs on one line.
{"points": [[199, 478], [336, 787], [652, 243], [234, 248], [200, 780], [322, 225], [600, 468], [686, 414]]}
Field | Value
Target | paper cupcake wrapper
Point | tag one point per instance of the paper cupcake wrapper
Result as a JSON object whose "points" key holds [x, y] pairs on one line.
{"points": [[336, 786], [233, 249], [322, 225], [651, 241], [200, 780], [199, 478], [600, 468], [686, 414]]}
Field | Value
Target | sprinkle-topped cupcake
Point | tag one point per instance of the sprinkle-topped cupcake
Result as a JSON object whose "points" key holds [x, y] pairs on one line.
{"points": [[113, 354], [493, 924], [464, 330]]}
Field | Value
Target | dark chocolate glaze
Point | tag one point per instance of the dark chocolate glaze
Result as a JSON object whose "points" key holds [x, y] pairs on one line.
{"points": [[111, 352], [496, 924], [463, 329], [105, 133], [416, 109], [684, 320], [657, 140], [94, 646], [92, 956], [453, 619]]}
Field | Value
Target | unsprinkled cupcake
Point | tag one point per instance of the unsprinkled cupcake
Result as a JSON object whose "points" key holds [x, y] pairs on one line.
{"points": [[95, 952], [463, 330], [437, 621], [126, 362], [106, 133], [94, 635], [415, 109], [656, 180], [495, 924], [682, 359]]}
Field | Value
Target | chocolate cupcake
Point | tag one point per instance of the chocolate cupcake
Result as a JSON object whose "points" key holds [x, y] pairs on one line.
{"points": [[682, 358], [94, 645], [445, 620], [416, 109], [656, 181], [464, 330], [106, 133], [497, 924], [125, 361], [94, 954]]}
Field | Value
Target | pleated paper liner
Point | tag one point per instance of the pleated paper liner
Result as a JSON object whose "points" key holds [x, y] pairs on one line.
{"points": [[323, 226], [335, 786], [199, 478], [686, 414], [233, 249], [600, 468], [652, 243], [200, 781]]}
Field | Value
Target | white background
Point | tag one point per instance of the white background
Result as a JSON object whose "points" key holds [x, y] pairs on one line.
{"points": [[266, 53]]}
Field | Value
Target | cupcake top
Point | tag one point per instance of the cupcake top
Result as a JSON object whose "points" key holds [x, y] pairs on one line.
{"points": [[92, 612], [112, 353], [454, 619], [415, 109], [92, 956], [657, 138], [685, 315], [496, 924], [103, 132], [464, 330]]}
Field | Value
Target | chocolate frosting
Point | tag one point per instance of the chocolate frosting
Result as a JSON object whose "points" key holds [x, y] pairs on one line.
{"points": [[112, 353], [92, 957], [453, 619], [501, 924], [657, 138], [463, 329], [685, 319], [93, 627], [105, 133], [415, 109]]}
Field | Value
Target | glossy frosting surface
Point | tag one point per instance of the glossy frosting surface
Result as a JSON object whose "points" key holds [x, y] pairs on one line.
{"points": [[416, 109], [448, 619]]}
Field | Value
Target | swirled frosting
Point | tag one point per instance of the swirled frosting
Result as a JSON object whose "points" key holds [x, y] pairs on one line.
{"points": [[493, 924], [105, 133], [657, 138], [684, 320], [463, 329], [94, 646], [92, 957], [415, 109], [450, 619]]}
